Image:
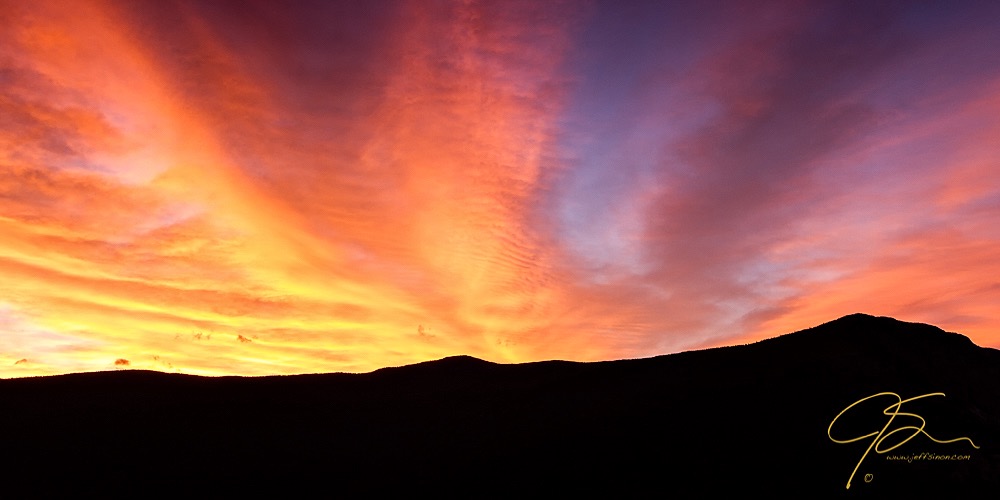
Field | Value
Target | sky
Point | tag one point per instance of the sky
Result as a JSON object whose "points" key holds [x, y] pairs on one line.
{"points": [[257, 187]]}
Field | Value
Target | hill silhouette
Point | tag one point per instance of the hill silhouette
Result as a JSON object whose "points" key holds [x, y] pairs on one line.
{"points": [[754, 418]]}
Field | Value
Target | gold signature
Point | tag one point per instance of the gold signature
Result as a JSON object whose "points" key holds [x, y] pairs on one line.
{"points": [[892, 411]]}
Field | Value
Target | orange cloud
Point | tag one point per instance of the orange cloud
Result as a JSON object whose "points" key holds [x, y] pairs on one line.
{"points": [[197, 192], [362, 185]]}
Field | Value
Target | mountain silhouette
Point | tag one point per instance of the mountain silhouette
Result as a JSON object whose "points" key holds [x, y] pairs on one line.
{"points": [[757, 418]]}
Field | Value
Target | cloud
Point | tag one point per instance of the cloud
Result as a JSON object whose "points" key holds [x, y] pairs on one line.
{"points": [[535, 180], [789, 135]]}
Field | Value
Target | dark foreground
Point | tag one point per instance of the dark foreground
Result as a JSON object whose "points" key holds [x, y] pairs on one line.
{"points": [[741, 419]]}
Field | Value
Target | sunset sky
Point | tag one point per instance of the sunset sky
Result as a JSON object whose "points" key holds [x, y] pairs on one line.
{"points": [[259, 187]]}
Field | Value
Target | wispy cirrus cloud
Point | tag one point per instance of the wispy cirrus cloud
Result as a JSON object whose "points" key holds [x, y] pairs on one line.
{"points": [[343, 186], [790, 147], [317, 201]]}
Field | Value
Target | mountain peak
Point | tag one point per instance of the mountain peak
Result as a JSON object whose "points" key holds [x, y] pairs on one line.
{"points": [[865, 333], [450, 363]]}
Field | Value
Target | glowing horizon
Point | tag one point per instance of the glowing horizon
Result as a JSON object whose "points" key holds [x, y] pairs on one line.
{"points": [[302, 188]]}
